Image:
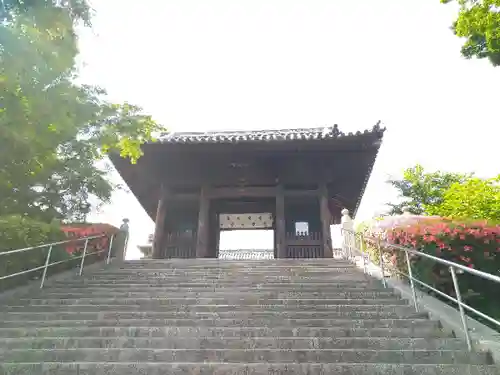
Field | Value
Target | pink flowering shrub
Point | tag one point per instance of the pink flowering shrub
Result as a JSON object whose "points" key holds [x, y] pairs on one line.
{"points": [[474, 244], [75, 231], [471, 244]]}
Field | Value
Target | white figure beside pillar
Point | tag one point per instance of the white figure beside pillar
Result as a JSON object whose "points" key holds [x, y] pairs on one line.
{"points": [[347, 234]]}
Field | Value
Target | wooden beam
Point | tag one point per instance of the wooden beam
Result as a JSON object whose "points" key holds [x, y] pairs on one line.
{"points": [[186, 196], [246, 191], [280, 222], [236, 192], [202, 240], [302, 193], [159, 233], [325, 222]]}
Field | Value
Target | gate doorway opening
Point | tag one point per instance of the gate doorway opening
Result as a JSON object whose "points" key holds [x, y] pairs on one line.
{"points": [[245, 233], [253, 244]]}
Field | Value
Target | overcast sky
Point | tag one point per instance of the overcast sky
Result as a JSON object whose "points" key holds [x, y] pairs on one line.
{"points": [[251, 64]]}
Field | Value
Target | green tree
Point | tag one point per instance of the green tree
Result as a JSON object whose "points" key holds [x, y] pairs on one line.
{"points": [[53, 131], [473, 199], [78, 10], [479, 23], [419, 190]]}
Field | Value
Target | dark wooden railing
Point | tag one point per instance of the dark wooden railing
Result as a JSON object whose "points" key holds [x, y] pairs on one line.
{"points": [[298, 245], [180, 245], [304, 245]]}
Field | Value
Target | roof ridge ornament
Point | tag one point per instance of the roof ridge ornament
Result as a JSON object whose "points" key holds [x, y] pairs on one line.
{"points": [[377, 128]]}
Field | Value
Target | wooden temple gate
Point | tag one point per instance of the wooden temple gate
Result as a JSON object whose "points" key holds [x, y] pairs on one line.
{"points": [[194, 229], [196, 185]]}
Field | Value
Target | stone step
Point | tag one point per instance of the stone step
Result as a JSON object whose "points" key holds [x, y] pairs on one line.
{"points": [[166, 289], [215, 260], [162, 331], [264, 277], [149, 368], [234, 272], [402, 312], [380, 343], [151, 279], [227, 285], [192, 282], [173, 287], [212, 262], [218, 293], [99, 355], [198, 308], [230, 317], [245, 270], [345, 271], [344, 274], [338, 271], [229, 270], [231, 322], [230, 266], [235, 264], [236, 300], [354, 275], [218, 281]]}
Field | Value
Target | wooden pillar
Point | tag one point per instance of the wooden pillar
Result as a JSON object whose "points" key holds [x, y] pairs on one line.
{"points": [[203, 225], [216, 234], [159, 235], [213, 236], [280, 222], [325, 222]]}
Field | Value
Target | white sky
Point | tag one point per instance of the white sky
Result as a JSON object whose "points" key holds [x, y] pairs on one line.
{"points": [[248, 64]]}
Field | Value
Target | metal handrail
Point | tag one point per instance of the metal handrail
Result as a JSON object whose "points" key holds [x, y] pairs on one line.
{"points": [[51, 244], [349, 246], [48, 264]]}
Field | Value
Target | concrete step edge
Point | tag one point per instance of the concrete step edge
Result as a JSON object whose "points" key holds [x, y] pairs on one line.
{"points": [[424, 356], [157, 368], [315, 306], [342, 350], [230, 293], [213, 310], [234, 338]]}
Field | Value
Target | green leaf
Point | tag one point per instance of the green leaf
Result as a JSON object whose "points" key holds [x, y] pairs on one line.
{"points": [[54, 130], [478, 22]]}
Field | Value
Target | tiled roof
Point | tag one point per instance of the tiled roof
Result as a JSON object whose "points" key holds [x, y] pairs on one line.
{"points": [[329, 132]]}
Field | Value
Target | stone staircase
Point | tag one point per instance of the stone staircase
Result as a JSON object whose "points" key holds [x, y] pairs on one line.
{"points": [[226, 318]]}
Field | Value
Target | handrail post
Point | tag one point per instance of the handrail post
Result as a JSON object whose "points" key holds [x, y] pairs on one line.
{"points": [[47, 260], [348, 245], [110, 247], [125, 245], [381, 261], [362, 246], [351, 247], [347, 226], [412, 284], [342, 246], [83, 256], [460, 307]]}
